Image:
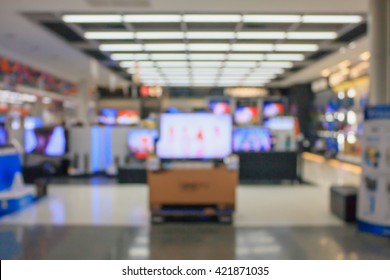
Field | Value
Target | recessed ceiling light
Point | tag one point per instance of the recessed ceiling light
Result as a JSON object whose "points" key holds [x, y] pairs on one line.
{"points": [[206, 64], [272, 18], [91, 18], [172, 63], [211, 18], [178, 79], [240, 64], [108, 35], [291, 57], [164, 56], [210, 35], [208, 47], [312, 35], [145, 72], [126, 64], [268, 71], [176, 70], [261, 35], [218, 57], [120, 47], [365, 56], [152, 18], [261, 76], [159, 35], [252, 47], [249, 57], [129, 56], [296, 47], [165, 47], [280, 64], [332, 19]]}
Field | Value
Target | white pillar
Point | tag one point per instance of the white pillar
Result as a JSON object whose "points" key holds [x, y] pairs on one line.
{"points": [[379, 33], [84, 100]]}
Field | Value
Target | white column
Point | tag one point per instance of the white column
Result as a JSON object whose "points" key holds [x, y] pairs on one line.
{"points": [[379, 33], [84, 100]]}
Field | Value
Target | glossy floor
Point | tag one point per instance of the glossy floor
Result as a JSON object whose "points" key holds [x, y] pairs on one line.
{"points": [[106, 203], [102, 220], [189, 241]]}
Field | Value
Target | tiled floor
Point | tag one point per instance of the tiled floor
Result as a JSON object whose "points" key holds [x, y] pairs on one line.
{"points": [[112, 221], [189, 241]]}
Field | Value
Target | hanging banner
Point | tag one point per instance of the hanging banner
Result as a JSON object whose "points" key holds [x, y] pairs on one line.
{"points": [[374, 193], [13, 74]]}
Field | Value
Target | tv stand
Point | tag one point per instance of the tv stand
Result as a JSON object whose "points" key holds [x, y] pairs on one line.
{"points": [[193, 192]]}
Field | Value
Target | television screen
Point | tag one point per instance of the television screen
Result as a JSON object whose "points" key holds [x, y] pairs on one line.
{"points": [[33, 122], [273, 109], [46, 141], [127, 117], [194, 136], [219, 106], [280, 123], [246, 115], [108, 116], [141, 142], [251, 139], [3, 135]]}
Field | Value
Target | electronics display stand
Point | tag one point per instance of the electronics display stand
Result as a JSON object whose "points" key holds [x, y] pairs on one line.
{"points": [[196, 190], [14, 195], [133, 172]]}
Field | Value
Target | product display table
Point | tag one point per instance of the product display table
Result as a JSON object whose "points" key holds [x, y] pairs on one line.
{"points": [[194, 192]]}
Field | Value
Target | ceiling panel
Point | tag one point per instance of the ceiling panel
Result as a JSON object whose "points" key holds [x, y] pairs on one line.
{"points": [[234, 46]]}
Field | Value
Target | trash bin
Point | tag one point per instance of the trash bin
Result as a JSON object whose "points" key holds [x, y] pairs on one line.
{"points": [[343, 202]]}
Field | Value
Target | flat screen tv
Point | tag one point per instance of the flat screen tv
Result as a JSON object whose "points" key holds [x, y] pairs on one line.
{"points": [[127, 117], [219, 106], [280, 123], [33, 122], [246, 115], [251, 139], [273, 109], [3, 135], [194, 136], [141, 142], [50, 141], [107, 116]]}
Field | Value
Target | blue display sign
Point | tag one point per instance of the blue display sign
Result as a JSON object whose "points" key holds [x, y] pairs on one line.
{"points": [[378, 112]]}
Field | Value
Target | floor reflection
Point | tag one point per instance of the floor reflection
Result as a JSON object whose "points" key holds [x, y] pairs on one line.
{"points": [[189, 241]]}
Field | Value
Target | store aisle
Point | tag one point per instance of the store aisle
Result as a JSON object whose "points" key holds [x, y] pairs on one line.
{"points": [[264, 205], [112, 222], [190, 241]]}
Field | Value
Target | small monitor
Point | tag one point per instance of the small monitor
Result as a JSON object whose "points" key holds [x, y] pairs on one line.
{"points": [[127, 117], [141, 142], [3, 135], [252, 139], [280, 123], [273, 109], [219, 106], [52, 141], [107, 116], [246, 115]]}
